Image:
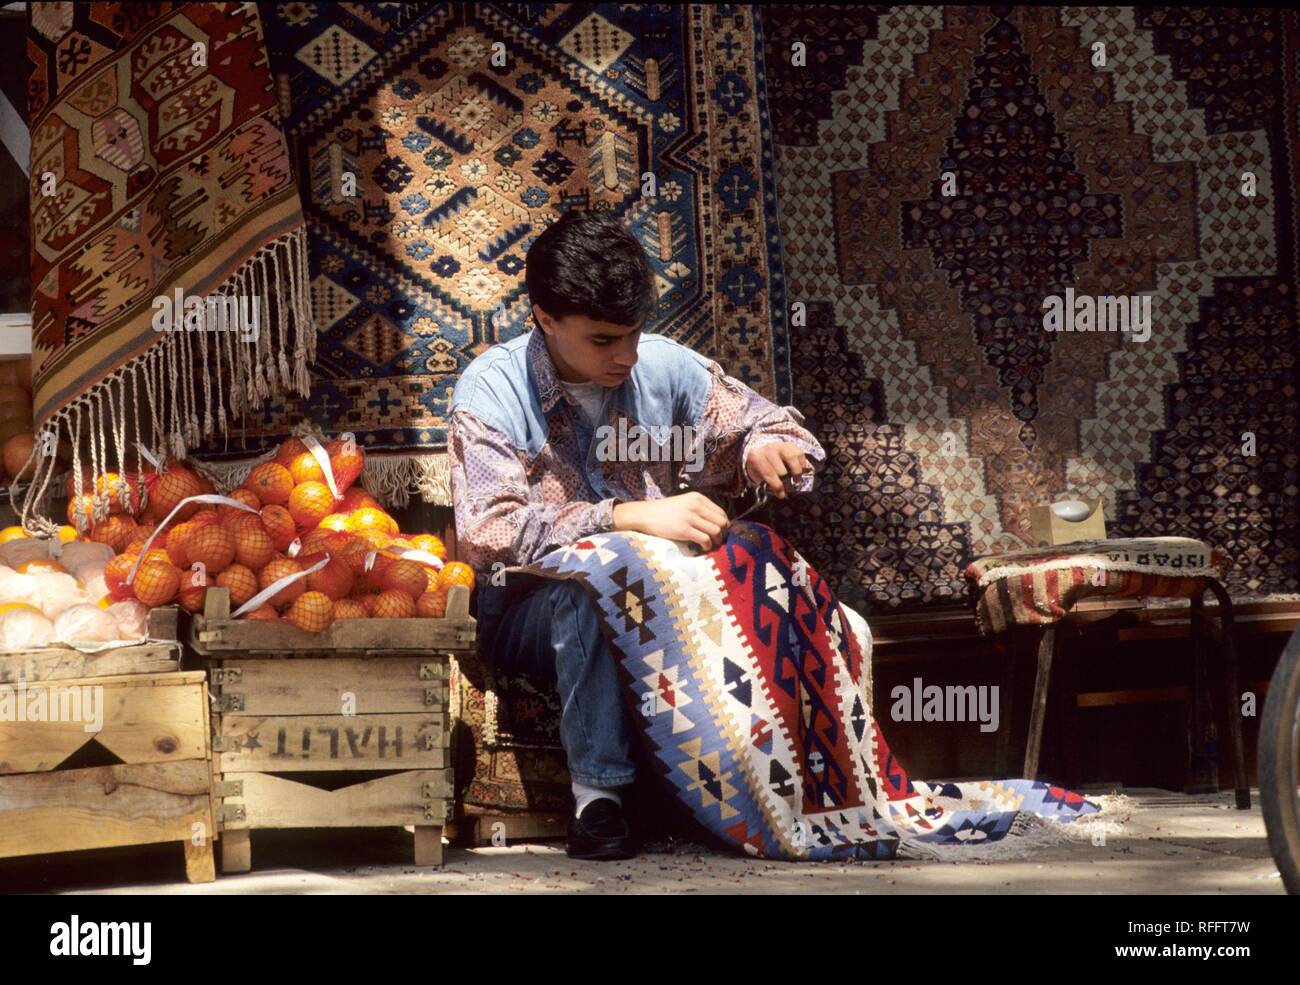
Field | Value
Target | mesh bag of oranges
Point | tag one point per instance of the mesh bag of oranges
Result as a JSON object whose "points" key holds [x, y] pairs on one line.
{"points": [[296, 542]]}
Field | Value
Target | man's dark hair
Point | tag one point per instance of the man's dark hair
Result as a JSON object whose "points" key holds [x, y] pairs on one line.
{"points": [[587, 263]]}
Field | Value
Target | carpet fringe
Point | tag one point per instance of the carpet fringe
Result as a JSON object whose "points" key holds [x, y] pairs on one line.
{"points": [[1028, 835], [167, 391], [391, 479]]}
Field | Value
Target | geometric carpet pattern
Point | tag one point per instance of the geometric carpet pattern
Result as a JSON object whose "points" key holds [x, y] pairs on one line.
{"points": [[433, 143], [940, 172], [750, 687]]}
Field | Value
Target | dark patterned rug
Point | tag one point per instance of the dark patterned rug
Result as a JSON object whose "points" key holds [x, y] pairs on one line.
{"points": [[940, 172]]}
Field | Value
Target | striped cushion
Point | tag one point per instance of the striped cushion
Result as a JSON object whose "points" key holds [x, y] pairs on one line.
{"points": [[1038, 585]]}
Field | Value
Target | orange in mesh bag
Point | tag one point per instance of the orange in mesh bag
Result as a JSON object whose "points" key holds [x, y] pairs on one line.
{"points": [[311, 612], [271, 482]]}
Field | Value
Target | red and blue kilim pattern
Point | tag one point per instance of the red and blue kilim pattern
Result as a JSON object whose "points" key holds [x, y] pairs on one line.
{"points": [[751, 687]]}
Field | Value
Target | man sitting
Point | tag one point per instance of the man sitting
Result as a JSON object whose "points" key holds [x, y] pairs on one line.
{"points": [[548, 443]]}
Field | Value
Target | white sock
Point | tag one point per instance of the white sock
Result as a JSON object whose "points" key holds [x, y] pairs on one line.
{"points": [[584, 795]]}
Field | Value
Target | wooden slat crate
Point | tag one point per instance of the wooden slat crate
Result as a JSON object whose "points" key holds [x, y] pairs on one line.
{"points": [[49, 663], [158, 724], [216, 634], [368, 696], [481, 830]]}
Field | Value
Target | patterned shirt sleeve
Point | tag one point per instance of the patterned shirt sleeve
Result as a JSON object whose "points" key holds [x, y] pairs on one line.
{"points": [[735, 421], [495, 518]]}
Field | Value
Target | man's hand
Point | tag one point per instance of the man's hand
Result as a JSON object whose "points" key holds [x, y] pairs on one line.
{"points": [[770, 462], [691, 516]]}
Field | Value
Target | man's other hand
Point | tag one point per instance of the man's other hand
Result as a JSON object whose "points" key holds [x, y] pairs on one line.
{"points": [[691, 517], [770, 463]]}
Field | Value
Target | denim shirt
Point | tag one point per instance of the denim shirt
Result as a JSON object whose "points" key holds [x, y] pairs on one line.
{"points": [[528, 474]]}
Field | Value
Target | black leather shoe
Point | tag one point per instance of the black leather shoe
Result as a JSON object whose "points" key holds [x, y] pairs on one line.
{"points": [[601, 834]]}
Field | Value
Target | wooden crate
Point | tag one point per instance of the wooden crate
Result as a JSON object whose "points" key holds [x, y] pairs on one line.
{"points": [[215, 634], [365, 696], [158, 724], [50, 663], [482, 830]]}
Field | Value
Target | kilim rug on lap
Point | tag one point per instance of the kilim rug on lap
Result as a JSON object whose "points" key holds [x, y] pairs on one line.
{"points": [[158, 169], [947, 410], [433, 143], [751, 687]]}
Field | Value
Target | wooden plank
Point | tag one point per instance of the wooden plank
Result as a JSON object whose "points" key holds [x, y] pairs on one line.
{"points": [[1131, 696], [319, 686], [173, 679], [1150, 695], [417, 797], [509, 828], [236, 850], [164, 623], [349, 635], [1203, 765], [901, 630], [277, 744], [60, 663], [227, 637], [1180, 628], [1263, 608], [1105, 603], [908, 628], [458, 605], [105, 806], [1038, 709], [211, 635], [141, 719], [428, 845], [200, 866]]}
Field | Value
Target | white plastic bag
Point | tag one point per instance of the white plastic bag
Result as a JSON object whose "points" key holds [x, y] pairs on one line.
{"points": [[95, 589], [84, 561], [57, 592], [132, 619], [23, 629], [85, 622], [18, 588], [25, 549]]}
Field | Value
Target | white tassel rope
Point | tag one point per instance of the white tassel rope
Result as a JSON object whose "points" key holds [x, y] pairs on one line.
{"points": [[174, 417]]}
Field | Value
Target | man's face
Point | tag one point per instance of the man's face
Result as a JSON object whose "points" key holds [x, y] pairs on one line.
{"points": [[585, 350]]}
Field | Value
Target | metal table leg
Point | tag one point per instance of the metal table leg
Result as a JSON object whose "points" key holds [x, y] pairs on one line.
{"points": [[1232, 695], [1203, 765]]}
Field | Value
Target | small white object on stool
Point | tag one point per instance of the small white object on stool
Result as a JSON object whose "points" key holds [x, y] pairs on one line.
{"points": [[1072, 510]]}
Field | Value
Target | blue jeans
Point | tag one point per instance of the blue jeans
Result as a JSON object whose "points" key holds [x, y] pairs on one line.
{"points": [[550, 633]]}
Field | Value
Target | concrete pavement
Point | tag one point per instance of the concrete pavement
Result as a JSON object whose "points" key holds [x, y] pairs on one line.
{"points": [[1162, 843]]}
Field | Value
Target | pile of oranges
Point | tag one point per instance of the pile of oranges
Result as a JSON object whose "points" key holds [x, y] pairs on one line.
{"points": [[292, 521], [119, 509]]}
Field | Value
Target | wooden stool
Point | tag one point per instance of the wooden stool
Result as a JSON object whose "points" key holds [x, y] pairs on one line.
{"points": [[1039, 587]]}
